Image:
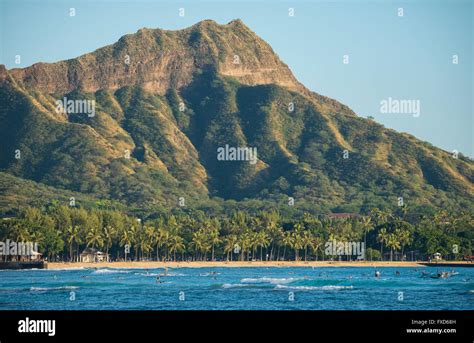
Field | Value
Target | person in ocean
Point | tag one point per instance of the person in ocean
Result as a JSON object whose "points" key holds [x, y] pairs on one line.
{"points": [[377, 274], [397, 273]]}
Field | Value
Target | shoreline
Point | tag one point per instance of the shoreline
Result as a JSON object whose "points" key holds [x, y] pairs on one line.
{"points": [[240, 264]]}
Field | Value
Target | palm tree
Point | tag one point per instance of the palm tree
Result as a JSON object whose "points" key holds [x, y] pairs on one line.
{"points": [[21, 232], [214, 240], [37, 237], [176, 245], [245, 242], [404, 238], [382, 238], [287, 241], [253, 244], [73, 236], [277, 236], [126, 239], [109, 235], [230, 242], [166, 242], [158, 237], [262, 241], [135, 232], [143, 242], [393, 244], [307, 241], [195, 244], [297, 240], [367, 226], [316, 243], [200, 244], [94, 238], [274, 233], [381, 218]]}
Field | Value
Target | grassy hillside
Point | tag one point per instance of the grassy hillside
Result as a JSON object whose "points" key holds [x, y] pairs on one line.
{"points": [[154, 139]]}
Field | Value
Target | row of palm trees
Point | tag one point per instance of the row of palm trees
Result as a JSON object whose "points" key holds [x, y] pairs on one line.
{"points": [[64, 232], [164, 242], [395, 241]]}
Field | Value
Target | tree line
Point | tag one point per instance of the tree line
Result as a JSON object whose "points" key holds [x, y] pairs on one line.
{"points": [[63, 232]]}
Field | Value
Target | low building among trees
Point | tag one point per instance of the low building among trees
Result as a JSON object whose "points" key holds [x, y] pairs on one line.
{"points": [[91, 255]]}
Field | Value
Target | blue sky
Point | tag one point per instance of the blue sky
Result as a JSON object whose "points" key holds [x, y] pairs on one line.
{"points": [[407, 57]]}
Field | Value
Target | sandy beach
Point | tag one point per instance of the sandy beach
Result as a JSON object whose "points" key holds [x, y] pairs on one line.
{"points": [[198, 264]]}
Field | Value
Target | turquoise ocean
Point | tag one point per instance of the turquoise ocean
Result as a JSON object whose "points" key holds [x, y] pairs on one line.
{"points": [[249, 288]]}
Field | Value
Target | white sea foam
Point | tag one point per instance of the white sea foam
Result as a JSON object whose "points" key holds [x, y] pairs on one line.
{"points": [[209, 274], [148, 274], [311, 288], [269, 280], [110, 271], [64, 269], [44, 289], [159, 274], [235, 285]]}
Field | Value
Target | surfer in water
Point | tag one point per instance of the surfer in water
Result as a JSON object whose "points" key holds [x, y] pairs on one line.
{"points": [[158, 279], [377, 274]]}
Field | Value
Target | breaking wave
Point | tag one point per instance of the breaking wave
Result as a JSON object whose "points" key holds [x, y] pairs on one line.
{"points": [[274, 281], [110, 271], [312, 288], [45, 289]]}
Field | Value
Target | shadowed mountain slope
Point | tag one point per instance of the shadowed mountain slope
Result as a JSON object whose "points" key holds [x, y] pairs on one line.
{"points": [[165, 101]]}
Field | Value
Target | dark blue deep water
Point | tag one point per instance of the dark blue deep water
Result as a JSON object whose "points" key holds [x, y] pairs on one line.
{"points": [[302, 288]]}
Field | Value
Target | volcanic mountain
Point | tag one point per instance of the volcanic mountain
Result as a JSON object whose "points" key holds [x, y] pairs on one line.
{"points": [[166, 101]]}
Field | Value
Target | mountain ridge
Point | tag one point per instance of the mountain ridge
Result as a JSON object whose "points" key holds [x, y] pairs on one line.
{"points": [[37, 75], [182, 96]]}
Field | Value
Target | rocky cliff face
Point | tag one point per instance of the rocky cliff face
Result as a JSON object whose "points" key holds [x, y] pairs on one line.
{"points": [[161, 60], [167, 100]]}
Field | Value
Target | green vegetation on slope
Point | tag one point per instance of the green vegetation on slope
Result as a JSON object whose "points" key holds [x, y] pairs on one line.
{"points": [[161, 116], [172, 142]]}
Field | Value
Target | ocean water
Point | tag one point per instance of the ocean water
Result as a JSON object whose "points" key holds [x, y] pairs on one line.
{"points": [[301, 288]]}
